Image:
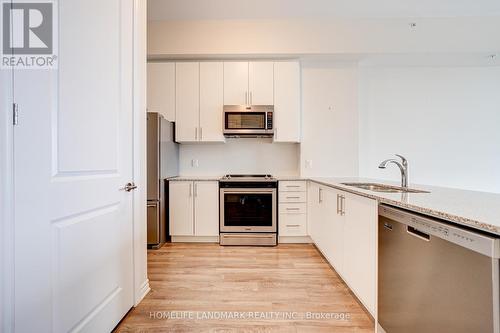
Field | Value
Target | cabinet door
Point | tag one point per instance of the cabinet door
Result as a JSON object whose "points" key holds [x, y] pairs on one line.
{"points": [[161, 89], [235, 83], [181, 208], [333, 231], [187, 101], [206, 210], [287, 101], [261, 82], [360, 248], [211, 101], [313, 211]]}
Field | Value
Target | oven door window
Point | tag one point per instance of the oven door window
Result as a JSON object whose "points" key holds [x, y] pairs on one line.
{"points": [[245, 120], [248, 209]]}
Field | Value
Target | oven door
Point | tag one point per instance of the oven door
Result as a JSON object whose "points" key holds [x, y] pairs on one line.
{"points": [[245, 122], [247, 210]]}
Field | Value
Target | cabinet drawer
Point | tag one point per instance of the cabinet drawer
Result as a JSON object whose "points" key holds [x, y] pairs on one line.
{"points": [[292, 225], [292, 186], [292, 197], [292, 208]]}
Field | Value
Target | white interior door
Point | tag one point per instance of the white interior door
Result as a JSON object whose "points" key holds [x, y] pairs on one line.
{"points": [[73, 154]]}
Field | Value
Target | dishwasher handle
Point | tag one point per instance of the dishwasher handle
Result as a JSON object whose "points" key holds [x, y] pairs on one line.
{"points": [[417, 233]]}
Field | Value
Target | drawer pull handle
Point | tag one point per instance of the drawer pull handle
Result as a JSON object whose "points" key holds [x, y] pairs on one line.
{"points": [[293, 225], [293, 209], [293, 186], [293, 197]]}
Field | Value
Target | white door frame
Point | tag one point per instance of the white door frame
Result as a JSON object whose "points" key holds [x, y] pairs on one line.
{"points": [[141, 282]]}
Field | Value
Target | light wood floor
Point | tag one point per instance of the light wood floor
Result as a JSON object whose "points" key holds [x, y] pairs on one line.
{"points": [[205, 279]]}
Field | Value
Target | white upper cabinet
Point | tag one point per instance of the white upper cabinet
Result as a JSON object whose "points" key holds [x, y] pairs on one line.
{"points": [[260, 83], [161, 89], [235, 82], [211, 101], [187, 101], [287, 101]]}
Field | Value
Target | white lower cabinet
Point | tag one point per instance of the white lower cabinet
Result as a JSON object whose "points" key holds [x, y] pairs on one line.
{"points": [[344, 228], [194, 208], [360, 247], [292, 209]]}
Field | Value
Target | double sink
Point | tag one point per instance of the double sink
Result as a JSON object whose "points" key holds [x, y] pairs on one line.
{"points": [[383, 188]]}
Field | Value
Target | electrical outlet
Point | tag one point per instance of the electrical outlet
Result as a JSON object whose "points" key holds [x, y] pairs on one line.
{"points": [[194, 163], [309, 164]]}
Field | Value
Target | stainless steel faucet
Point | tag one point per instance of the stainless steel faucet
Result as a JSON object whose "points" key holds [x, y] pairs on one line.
{"points": [[403, 166]]}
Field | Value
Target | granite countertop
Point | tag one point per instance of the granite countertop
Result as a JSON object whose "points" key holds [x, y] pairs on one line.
{"points": [[479, 210]]}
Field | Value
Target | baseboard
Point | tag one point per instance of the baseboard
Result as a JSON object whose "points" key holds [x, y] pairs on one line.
{"points": [[143, 291], [195, 239], [294, 239]]}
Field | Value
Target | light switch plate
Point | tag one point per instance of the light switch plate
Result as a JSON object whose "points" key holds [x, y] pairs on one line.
{"points": [[309, 164]]}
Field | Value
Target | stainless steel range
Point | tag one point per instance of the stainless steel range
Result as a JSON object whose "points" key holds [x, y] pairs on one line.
{"points": [[248, 210]]}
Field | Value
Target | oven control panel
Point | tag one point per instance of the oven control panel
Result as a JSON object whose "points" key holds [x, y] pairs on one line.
{"points": [[269, 120]]}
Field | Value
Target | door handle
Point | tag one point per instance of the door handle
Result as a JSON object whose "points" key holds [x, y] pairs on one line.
{"points": [[201, 133], [342, 205], [196, 133], [320, 197], [195, 190], [128, 187], [251, 98]]}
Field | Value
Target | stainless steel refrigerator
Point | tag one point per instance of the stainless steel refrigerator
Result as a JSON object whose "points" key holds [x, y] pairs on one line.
{"points": [[162, 163]]}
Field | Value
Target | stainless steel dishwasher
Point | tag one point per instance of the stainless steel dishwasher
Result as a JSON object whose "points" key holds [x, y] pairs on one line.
{"points": [[435, 277]]}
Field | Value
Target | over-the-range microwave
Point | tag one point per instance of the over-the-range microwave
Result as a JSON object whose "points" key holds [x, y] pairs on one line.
{"points": [[248, 120]]}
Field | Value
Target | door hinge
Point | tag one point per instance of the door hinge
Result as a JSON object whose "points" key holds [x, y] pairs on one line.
{"points": [[15, 114]]}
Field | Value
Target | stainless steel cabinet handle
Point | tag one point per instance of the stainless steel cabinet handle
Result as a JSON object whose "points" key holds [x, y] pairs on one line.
{"points": [[151, 206], [338, 204], [195, 190], [342, 206], [246, 97], [320, 196], [201, 133], [128, 187], [293, 225], [292, 208], [251, 98], [196, 133], [293, 186], [293, 197], [190, 189]]}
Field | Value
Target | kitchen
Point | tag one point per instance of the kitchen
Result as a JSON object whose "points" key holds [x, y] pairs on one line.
{"points": [[282, 150], [254, 166]]}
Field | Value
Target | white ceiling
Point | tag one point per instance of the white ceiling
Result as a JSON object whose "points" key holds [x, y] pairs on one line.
{"points": [[268, 9]]}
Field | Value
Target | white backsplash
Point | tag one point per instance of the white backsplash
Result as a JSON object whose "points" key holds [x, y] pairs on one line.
{"points": [[249, 156]]}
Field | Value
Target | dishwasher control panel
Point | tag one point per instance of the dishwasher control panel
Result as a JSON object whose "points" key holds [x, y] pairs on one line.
{"points": [[426, 227]]}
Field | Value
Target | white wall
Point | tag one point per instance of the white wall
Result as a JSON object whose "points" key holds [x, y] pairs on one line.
{"points": [[296, 37], [329, 119], [445, 120], [240, 156]]}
